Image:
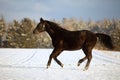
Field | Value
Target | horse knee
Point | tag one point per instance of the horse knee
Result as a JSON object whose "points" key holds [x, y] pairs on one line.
{"points": [[52, 56]]}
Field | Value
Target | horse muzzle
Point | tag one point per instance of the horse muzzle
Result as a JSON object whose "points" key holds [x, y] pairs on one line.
{"points": [[35, 32]]}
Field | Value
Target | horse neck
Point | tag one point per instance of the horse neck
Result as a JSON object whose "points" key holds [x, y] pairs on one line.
{"points": [[54, 30], [50, 31]]}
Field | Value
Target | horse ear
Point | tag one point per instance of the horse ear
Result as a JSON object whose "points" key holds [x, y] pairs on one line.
{"points": [[41, 19]]}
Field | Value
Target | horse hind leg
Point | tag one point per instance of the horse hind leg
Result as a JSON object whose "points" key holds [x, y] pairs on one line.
{"points": [[88, 62], [88, 53], [81, 60]]}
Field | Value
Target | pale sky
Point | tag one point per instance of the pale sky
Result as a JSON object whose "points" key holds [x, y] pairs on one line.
{"points": [[58, 9]]}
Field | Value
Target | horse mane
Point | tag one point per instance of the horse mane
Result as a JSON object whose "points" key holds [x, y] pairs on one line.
{"points": [[56, 26]]}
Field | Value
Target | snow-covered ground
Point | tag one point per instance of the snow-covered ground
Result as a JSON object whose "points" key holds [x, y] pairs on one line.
{"points": [[30, 64]]}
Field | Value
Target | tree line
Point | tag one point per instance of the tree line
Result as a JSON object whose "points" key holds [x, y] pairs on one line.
{"points": [[18, 34]]}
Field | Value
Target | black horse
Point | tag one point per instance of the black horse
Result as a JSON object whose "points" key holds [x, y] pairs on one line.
{"points": [[71, 40]]}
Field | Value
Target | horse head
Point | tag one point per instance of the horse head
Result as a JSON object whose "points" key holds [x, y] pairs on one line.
{"points": [[40, 27]]}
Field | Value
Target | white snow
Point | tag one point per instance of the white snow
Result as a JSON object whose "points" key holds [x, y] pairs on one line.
{"points": [[30, 64]]}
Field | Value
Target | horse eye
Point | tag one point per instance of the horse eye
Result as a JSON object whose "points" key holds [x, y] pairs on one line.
{"points": [[43, 26]]}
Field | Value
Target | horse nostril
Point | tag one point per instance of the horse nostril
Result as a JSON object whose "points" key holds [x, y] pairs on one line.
{"points": [[34, 32]]}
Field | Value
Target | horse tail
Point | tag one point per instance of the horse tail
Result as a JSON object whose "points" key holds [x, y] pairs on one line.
{"points": [[105, 40]]}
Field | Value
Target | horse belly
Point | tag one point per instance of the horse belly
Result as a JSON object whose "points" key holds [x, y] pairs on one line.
{"points": [[73, 45], [76, 42]]}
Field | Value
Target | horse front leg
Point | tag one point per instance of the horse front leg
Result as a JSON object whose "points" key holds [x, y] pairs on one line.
{"points": [[58, 60], [49, 61], [54, 55]]}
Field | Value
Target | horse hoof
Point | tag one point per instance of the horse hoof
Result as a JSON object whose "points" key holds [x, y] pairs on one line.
{"points": [[86, 68], [47, 67], [78, 64], [62, 65]]}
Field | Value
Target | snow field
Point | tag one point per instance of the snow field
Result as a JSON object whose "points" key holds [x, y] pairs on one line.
{"points": [[30, 64]]}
